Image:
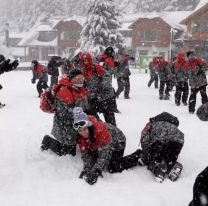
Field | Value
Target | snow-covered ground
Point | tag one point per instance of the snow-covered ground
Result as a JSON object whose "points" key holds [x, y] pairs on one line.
{"points": [[29, 177]]}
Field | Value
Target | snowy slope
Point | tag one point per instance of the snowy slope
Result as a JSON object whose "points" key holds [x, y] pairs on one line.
{"points": [[29, 177]]}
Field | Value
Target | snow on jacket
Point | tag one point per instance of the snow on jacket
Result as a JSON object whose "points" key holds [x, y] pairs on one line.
{"points": [[104, 139], [40, 72], [162, 128], [196, 72], [164, 70], [67, 98], [180, 68]]}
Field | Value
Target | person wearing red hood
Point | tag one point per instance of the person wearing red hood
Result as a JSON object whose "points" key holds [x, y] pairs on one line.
{"points": [[98, 83], [39, 72], [165, 76], [69, 93], [153, 72], [197, 79], [102, 147], [181, 76]]}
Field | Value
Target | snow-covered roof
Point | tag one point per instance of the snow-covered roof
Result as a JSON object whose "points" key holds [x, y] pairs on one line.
{"points": [[201, 5], [171, 18], [80, 19], [17, 35], [31, 37], [125, 26]]}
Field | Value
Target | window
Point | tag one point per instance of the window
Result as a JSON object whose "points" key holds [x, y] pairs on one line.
{"points": [[66, 35], [150, 35], [195, 26], [143, 52], [205, 25], [46, 36]]}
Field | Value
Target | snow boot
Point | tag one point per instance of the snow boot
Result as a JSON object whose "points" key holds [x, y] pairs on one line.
{"points": [[175, 172], [57, 147], [160, 171], [161, 96]]}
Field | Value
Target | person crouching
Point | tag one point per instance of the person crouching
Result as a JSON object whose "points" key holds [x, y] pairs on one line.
{"points": [[102, 147]]}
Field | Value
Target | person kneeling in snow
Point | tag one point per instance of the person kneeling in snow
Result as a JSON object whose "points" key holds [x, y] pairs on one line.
{"points": [[161, 143], [200, 189], [102, 147]]}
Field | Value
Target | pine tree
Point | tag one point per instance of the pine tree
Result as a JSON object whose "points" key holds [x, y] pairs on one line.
{"points": [[101, 28]]}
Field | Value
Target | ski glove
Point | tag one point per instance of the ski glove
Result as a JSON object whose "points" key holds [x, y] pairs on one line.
{"points": [[91, 177], [33, 81]]}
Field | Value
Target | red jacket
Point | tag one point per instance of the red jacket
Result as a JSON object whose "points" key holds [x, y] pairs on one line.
{"points": [[70, 94], [101, 136], [108, 61]]}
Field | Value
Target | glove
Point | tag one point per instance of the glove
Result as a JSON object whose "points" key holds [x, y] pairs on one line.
{"points": [[1, 86], [91, 177], [15, 63], [83, 173], [33, 81]]}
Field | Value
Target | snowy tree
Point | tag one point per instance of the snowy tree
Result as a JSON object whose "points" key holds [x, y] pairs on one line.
{"points": [[101, 28]]}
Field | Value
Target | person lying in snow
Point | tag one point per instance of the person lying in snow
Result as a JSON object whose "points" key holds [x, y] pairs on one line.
{"points": [[161, 143], [102, 147], [200, 189]]}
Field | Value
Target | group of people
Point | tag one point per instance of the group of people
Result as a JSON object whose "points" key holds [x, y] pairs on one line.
{"points": [[85, 92], [183, 72]]}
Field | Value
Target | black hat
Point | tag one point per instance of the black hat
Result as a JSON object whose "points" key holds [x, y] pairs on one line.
{"points": [[109, 51], [189, 53], [2, 58], [74, 73], [35, 62]]}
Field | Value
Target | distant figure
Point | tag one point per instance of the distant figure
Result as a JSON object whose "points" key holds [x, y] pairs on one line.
{"points": [[122, 74], [40, 73], [181, 76], [163, 69], [197, 80], [53, 69], [200, 189], [153, 72], [6, 66]]}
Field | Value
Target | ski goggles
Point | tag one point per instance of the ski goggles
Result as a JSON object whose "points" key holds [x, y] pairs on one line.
{"points": [[80, 124]]}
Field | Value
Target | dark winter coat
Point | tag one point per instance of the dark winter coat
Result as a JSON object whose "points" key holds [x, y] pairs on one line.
{"points": [[104, 139], [67, 98], [98, 83], [164, 71], [152, 69], [196, 72], [39, 72], [202, 112], [122, 70], [180, 69], [161, 128], [6, 65], [200, 189]]}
